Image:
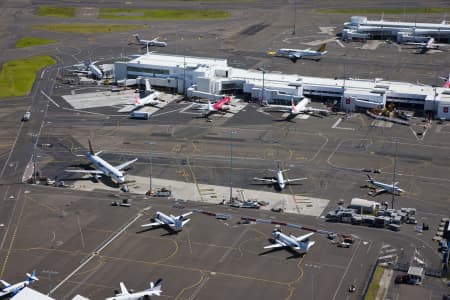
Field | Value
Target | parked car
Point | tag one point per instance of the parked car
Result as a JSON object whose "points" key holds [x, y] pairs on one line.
{"points": [[26, 116]]}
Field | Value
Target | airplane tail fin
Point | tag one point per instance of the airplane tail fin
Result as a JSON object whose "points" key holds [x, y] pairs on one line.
{"points": [[305, 246], [322, 48], [370, 178], [137, 37], [32, 277], [156, 287], [91, 150]]}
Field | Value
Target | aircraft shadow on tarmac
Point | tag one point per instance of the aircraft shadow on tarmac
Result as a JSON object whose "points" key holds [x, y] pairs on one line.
{"points": [[294, 254], [169, 230]]}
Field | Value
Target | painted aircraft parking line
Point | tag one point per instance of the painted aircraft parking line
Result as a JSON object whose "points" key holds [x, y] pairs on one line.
{"points": [[169, 221], [281, 240], [125, 294], [12, 289], [103, 167], [279, 182]]}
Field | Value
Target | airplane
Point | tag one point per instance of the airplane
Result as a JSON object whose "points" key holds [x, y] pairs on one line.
{"points": [[103, 167], [222, 105], [13, 289], [90, 70], [384, 187], [169, 221], [149, 43], [149, 99], [279, 182], [295, 54], [300, 108], [281, 240], [124, 294]]}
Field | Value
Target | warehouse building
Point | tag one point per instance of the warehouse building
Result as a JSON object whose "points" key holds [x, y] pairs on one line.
{"points": [[210, 78]]}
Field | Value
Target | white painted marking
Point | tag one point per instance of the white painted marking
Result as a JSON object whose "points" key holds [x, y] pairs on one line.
{"points": [[337, 123], [340, 43], [50, 99]]}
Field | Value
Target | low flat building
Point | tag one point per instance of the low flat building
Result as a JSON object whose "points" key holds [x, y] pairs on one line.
{"points": [[211, 78]]}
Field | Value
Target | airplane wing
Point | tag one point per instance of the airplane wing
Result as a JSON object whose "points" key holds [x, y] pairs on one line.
{"points": [[4, 294], [277, 244], [186, 214], [304, 237], [95, 172], [123, 289], [270, 180], [125, 164], [295, 179], [156, 223], [318, 110], [5, 284]]}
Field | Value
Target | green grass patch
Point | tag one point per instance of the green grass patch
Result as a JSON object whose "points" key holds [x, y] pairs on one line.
{"points": [[88, 28], [391, 11], [374, 284], [162, 14], [31, 41], [17, 76], [56, 11]]}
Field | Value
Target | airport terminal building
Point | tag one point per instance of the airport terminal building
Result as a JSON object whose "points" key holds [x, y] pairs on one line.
{"points": [[210, 78], [360, 28]]}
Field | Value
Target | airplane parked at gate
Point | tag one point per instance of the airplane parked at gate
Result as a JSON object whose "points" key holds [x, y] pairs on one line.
{"points": [[125, 294], [299, 108], [222, 105], [279, 182], [12, 289], [295, 54], [90, 69], [150, 43], [384, 187], [150, 97], [103, 167], [169, 221], [281, 240]]}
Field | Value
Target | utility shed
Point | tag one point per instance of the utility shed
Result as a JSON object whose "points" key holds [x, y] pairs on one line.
{"points": [[416, 275], [28, 294], [364, 206]]}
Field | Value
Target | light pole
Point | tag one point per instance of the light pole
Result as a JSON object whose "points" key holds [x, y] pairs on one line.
{"points": [[150, 157], [231, 165], [49, 274], [262, 90], [393, 174]]}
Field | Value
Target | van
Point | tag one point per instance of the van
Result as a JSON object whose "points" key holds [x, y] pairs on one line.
{"points": [[26, 116], [140, 115]]}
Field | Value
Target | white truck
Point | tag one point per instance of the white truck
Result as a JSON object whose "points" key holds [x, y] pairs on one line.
{"points": [[140, 115]]}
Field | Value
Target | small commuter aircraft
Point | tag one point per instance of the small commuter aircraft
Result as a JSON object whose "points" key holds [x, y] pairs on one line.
{"points": [[381, 187], [169, 221], [125, 294], [281, 240], [90, 69], [12, 289], [103, 167], [279, 182], [150, 43], [295, 54]]}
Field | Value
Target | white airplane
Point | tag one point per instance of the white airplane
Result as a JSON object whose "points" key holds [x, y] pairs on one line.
{"points": [[295, 54], [149, 99], [124, 294], [169, 221], [300, 108], [103, 167], [90, 70], [301, 243], [384, 187], [149, 43], [279, 182], [13, 289]]}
